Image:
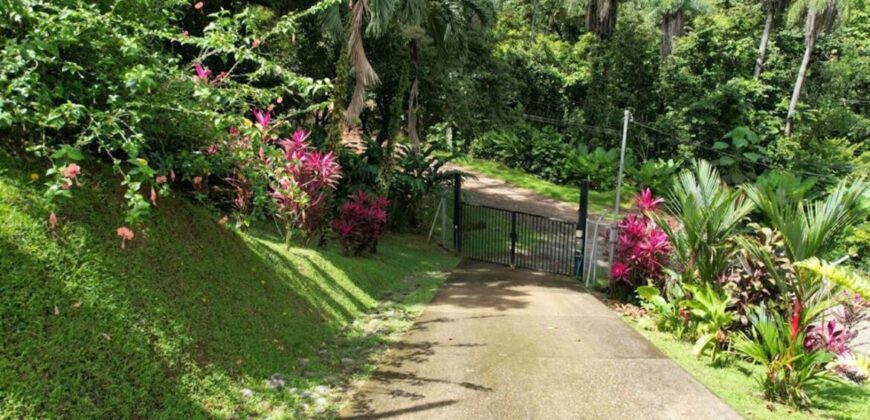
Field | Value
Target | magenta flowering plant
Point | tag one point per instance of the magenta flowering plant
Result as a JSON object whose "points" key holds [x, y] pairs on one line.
{"points": [[643, 249], [830, 336], [362, 220]]}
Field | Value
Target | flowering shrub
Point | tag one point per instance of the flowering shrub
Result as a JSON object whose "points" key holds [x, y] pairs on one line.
{"points": [[149, 88], [643, 248], [361, 222]]}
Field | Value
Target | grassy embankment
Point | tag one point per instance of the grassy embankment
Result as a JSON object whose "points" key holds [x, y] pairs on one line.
{"points": [[190, 314]]}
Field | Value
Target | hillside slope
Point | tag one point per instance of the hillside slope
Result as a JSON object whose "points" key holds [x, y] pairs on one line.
{"points": [[185, 317]]}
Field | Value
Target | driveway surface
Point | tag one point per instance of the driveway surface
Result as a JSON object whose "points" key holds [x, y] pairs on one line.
{"points": [[497, 343]]}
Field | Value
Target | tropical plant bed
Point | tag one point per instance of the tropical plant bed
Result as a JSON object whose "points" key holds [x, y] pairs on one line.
{"points": [[735, 384]]}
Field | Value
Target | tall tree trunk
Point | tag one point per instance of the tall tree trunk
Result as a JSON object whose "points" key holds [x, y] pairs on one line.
{"points": [[673, 25], [762, 48], [412, 96], [802, 73], [601, 17], [365, 74]]}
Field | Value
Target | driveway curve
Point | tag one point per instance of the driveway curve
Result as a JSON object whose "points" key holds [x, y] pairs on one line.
{"points": [[498, 343]]}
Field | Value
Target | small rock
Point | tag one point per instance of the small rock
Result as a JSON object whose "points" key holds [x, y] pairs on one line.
{"points": [[277, 381], [247, 393]]}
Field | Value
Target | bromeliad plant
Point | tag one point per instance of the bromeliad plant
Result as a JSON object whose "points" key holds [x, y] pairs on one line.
{"points": [[778, 346]]}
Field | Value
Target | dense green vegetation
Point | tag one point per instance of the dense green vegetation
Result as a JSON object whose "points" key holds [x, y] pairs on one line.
{"points": [[189, 314], [149, 147]]}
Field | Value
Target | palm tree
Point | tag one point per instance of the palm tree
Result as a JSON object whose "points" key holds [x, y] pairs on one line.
{"points": [[771, 8], [708, 213], [809, 230], [818, 15], [445, 21], [673, 17]]}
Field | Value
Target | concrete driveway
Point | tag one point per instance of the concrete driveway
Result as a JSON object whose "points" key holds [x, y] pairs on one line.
{"points": [[497, 343]]}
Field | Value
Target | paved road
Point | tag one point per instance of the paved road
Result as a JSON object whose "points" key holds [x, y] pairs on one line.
{"points": [[482, 189], [497, 343]]}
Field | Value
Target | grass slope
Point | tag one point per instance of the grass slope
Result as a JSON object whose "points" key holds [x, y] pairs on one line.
{"points": [[736, 385], [599, 201], [177, 324]]}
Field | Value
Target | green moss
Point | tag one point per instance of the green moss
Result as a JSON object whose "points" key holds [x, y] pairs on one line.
{"points": [[599, 201], [186, 316], [735, 384]]}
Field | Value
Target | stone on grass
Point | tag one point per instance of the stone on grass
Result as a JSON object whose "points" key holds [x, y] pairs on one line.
{"points": [[277, 381], [247, 393]]}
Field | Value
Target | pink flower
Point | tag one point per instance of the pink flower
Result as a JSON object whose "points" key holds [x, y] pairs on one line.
{"points": [[161, 179], [126, 235], [52, 220], [153, 197], [255, 43], [223, 220], [71, 171], [202, 73], [197, 180], [212, 149], [198, 5], [646, 201], [619, 270], [263, 118], [172, 175], [234, 131]]}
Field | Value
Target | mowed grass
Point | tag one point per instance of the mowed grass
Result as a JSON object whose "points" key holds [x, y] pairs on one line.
{"points": [[736, 385], [599, 201], [189, 314]]}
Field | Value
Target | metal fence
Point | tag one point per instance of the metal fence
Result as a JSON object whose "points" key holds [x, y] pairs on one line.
{"points": [[541, 243]]}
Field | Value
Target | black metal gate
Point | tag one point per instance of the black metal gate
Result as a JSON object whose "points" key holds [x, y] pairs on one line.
{"points": [[520, 239]]}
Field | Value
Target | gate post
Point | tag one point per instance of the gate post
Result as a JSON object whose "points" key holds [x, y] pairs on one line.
{"points": [[580, 232], [457, 212], [513, 239]]}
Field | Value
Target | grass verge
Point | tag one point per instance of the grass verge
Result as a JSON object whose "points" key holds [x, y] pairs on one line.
{"points": [[599, 201], [736, 385], [191, 320]]}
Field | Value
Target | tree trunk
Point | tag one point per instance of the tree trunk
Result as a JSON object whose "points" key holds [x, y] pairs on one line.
{"points": [[412, 97], [762, 48], [802, 73], [673, 25], [601, 17]]}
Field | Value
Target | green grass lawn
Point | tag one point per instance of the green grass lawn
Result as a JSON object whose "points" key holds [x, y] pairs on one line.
{"points": [[189, 314], [736, 385], [599, 201]]}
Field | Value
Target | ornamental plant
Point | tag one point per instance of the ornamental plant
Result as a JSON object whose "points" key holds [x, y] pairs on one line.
{"points": [[361, 222], [643, 249]]}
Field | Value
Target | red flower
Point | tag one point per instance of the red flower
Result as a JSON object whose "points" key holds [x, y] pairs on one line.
{"points": [[795, 319]]}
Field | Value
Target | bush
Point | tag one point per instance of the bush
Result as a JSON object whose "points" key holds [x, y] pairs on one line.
{"points": [[643, 248], [600, 166], [361, 222]]}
